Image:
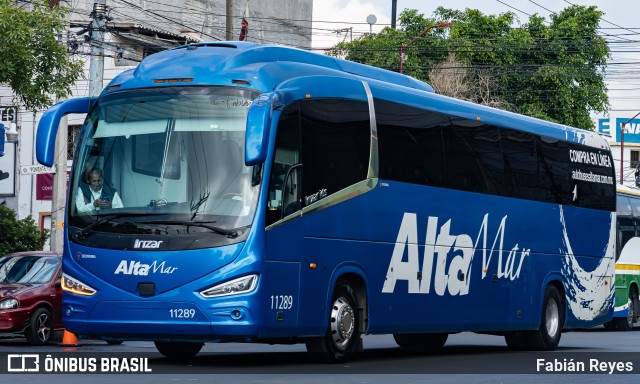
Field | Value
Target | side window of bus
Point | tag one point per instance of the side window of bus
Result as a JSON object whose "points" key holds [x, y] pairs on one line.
{"points": [[287, 154], [554, 168], [521, 173], [635, 209], [336, 138], [473, 160], [410, 143], [626, 222]]}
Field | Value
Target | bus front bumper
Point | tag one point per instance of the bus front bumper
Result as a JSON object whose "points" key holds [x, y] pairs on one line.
{"points": [[160, 320]]}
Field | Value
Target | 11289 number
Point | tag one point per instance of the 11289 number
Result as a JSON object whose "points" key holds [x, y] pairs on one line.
{"points": [[281, 301]]}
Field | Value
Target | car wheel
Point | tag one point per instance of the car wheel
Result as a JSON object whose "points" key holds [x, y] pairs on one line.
{"points": [[39, 330]]}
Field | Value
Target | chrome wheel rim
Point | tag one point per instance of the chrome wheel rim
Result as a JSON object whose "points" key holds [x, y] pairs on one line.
{"points": [[552, 318], [342, 322], [630, 313], [43, 327]]}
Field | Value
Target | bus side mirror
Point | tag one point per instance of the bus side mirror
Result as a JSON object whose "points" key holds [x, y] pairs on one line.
{"points": [[258, 121], [48, 126]]}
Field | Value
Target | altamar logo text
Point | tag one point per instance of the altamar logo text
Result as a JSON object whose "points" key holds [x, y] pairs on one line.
{"points": [[136, 268], [438, 244]]}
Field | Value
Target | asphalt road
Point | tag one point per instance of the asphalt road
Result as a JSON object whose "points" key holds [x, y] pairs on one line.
{"points": [[466, 357]]}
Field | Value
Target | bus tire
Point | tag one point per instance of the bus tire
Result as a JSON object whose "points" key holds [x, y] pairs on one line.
{"points": [[516, 341], [626, 323], [634, 299], [178, 350], [421, 342], [547, 337], [342, 338]]}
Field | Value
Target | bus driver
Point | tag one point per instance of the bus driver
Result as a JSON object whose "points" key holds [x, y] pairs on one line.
{"points": [[92, 196]]}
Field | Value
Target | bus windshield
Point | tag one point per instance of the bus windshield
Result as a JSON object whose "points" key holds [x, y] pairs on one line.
{"points": [[170, 157]]}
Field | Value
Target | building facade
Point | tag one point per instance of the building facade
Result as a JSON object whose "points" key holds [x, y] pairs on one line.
{"points": [[623, 134], [134, 29]]}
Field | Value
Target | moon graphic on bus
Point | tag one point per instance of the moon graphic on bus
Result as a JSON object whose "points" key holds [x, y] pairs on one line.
{"points": [[589, 293]]}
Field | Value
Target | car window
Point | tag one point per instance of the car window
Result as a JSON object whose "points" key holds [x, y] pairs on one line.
{"points": [[28, 269]]}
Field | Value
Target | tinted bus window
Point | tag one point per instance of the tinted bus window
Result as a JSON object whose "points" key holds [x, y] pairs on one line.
{"points": [[635, 206], [521, 177], [555, 174], [484, 142], [330, 138], [410, 143], [626, 223], [473, 161], [623, 206], [287, 154], [336, 137], [592, 176]]}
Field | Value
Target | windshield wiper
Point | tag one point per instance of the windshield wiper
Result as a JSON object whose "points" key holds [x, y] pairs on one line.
{"points": [[230, 233], [105, 219]]}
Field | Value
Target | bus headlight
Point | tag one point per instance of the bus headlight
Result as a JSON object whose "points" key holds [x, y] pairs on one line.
{"points": [[9, 304], [241, 285], [73, 285]]}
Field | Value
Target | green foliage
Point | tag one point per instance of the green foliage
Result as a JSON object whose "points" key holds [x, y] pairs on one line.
{"points": [[19, 235], [32, 62], [551, 70]]}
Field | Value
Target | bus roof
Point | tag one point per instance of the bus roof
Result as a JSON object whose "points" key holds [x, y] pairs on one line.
{"points": [[265, 67], [628, 190], [219, 63]]}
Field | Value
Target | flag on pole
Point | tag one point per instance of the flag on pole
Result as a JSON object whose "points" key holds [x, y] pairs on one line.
{"points": [[245, 24]]}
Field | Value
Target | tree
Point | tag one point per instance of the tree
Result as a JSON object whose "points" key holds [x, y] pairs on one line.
{"points": [[552, 71], [451, 78], [19, 235], [32, 61]]}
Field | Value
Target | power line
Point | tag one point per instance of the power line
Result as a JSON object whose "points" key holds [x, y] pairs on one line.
{"points": [[168, 19]]}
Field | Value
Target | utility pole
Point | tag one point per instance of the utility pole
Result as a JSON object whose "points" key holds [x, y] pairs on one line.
{"points": [[229, 35], [96, 72], [96, 65], [394, 4], [59, 194]]}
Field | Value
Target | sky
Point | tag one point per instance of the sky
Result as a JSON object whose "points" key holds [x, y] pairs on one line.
{"points": [[622, 74]]}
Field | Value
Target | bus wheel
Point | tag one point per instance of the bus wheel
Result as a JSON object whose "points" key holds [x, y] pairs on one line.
{"points": [[178, 350], [626, 323], [547, 337], [343, 334], [516, 341], [423, 342]]}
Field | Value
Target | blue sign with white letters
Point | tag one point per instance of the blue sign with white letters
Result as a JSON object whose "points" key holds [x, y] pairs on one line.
{"points": [[631, 129], [604, 127]]}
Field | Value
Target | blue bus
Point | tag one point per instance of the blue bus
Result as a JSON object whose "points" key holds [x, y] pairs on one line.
{"points": [[237, 192]]}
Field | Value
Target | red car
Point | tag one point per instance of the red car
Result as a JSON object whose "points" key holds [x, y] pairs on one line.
{"points": [[31, 295]]}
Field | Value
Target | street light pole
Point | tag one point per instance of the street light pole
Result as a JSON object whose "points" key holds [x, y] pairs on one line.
{"points": [[404, 47], [622, 147]]}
